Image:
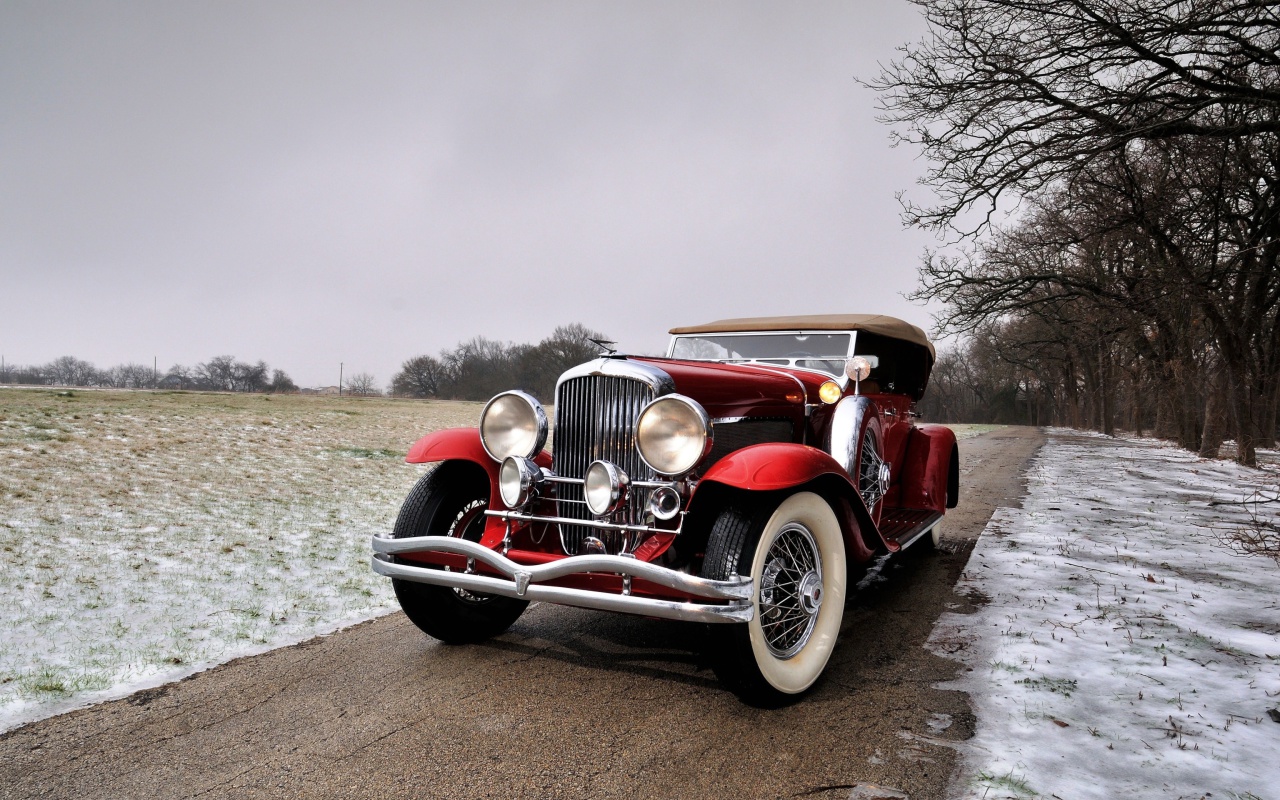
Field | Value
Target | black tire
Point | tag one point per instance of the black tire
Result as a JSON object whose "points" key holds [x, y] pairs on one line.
{"points": [[778, 656], [450, 501]]}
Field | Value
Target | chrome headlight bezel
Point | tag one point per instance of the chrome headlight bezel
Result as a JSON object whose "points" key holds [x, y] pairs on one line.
{"points": [[666, 421], [525, 417]]}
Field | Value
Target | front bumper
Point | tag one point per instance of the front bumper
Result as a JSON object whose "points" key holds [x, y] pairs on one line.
{"points": [[726, 601]]}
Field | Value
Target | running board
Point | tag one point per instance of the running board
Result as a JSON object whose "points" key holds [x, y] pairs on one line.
{"points": [[905, 525]]}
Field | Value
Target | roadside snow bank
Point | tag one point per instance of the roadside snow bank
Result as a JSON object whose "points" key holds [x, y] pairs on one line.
{"points": [[1124, 652]]}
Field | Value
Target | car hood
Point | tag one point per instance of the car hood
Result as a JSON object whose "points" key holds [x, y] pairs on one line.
{"points": [[741, 390]]}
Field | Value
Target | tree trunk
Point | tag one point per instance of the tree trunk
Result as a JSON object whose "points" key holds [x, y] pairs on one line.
{"points": [[1106, 386], [1215, 422], [1245, 425]]}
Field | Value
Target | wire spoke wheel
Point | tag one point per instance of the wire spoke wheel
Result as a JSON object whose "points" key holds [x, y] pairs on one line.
{"points": [[873, 472], [790, 591], [794, 554]]}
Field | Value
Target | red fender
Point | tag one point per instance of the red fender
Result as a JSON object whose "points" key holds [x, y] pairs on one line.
{"points": [[785, 465], [463, 444], [927, 478]]}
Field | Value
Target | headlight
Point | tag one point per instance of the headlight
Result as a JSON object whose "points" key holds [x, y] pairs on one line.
{"points": [[513, 424], [604, 487], [673, 434], [519, 480]]}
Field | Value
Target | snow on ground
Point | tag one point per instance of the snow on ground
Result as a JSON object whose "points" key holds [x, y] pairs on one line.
{"points": [[146, 536], [1123, 651]]}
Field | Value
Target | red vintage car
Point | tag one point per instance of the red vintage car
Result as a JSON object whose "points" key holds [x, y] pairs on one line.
{"points": [[736, 482]]}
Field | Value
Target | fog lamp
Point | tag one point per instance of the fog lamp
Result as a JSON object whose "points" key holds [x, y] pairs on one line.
{"points": [[604, 487], [519, 481], [829, 392]]}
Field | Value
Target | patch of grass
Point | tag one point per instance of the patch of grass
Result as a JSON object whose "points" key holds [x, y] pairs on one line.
{"points": [[1062, 686], [368, 452], [1007, 782]]}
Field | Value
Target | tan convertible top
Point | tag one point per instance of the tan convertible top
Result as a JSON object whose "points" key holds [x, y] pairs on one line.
{"points": [[880, 324]]}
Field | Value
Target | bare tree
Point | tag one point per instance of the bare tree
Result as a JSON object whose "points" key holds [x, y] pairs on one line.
{"points": [[420, 376], [1142, 142], [70, 371], [540, 366], [1011, 96], [130, 376], [281, 383], [479, 368], [362, 384]]}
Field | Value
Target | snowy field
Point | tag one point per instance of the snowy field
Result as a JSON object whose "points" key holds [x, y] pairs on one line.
{"points": [[1123, 651], [145, 536]]}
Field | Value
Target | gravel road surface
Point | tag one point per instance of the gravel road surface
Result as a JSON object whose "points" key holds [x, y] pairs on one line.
{"points": [[567, 704]]}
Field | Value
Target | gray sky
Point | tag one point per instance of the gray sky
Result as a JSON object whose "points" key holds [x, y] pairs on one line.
{"points": [[313, 183]]}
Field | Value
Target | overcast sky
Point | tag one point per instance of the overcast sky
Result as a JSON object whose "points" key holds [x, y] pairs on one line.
{"points": [[310, 183]]}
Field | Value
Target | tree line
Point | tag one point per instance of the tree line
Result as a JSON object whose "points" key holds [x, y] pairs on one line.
{"points": [[475, 369], [1107, 184], [479, 368], [220, 373]]}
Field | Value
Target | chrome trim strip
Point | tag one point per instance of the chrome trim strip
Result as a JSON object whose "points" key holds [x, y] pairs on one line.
{"points": [[671, 345], [516, 516]]}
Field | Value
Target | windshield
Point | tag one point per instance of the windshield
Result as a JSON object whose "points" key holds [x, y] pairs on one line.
{"points": [[825, 352]]}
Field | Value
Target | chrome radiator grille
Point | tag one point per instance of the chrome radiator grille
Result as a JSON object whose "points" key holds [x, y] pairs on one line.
{"points": [[595, 419]]}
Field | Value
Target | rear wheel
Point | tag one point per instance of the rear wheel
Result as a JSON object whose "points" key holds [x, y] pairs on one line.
{"points": [[451, 501], [794, 554]]}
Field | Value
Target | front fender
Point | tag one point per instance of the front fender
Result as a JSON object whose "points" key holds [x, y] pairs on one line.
{"points": [[461, 444], [772, 466], [780, 466]]}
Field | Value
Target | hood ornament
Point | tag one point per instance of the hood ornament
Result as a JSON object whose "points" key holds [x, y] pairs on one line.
{"points": [[607, 347]]}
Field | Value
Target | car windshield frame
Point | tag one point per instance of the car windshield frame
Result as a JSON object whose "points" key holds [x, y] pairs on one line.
{"points": [[786, 343]]}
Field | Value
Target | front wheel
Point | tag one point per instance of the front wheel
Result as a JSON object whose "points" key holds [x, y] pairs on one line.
{"points": [[794, 554], [450, 501]]}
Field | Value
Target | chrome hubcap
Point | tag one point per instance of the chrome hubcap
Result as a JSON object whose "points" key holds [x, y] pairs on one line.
{"points": [[811, 593], [790, 590]]}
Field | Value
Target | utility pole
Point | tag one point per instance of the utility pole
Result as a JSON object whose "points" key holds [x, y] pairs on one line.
{"points": [[155, 369], [339, 377]]}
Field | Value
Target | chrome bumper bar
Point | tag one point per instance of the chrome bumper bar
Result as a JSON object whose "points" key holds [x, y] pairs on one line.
{"points": [[525, 581]]}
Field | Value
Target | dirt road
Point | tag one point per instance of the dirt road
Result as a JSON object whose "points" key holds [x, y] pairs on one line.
{"points": [[568, 703]]}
